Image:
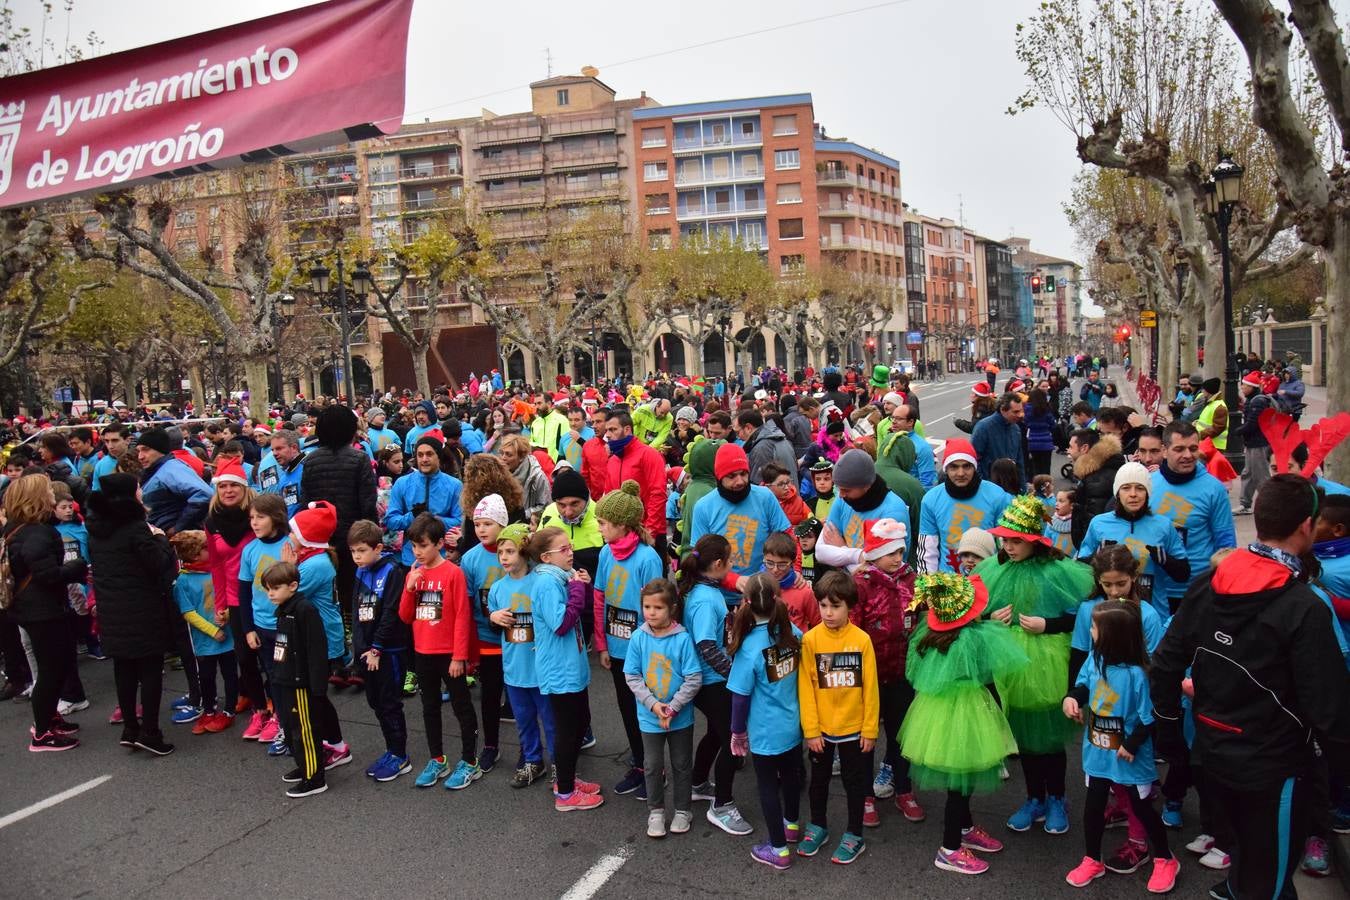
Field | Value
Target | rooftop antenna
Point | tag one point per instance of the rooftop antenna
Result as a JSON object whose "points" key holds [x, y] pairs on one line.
{"points": [[548, 58], [961, 210]]}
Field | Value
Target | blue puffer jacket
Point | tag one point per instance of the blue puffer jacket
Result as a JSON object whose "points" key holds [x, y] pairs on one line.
{"points": [[1040, 430], [175, 498]]}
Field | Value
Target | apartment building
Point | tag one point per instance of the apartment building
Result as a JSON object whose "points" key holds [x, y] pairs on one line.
{"points": [[950, 289], [1003, 321], [1057, 314]]}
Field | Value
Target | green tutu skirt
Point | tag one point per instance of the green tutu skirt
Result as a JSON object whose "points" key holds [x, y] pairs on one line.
{"points": [[956, 741], [1033, 697]]}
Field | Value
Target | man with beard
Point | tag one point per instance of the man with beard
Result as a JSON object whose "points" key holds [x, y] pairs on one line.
{"points": [[1195, 501], [861, 496], [958, 503], [744, 513]]}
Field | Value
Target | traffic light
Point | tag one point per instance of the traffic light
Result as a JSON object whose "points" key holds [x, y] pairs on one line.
{"points": [[1123, 334], [871, 343], [1035, 284], [1049, 284]]}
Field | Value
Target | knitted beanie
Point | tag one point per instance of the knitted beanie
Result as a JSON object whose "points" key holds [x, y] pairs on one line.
{"points": [[729, 459], [1132, 473], [492, 507], [622, 507], [855, 469], [156, 439], [567, 482]]}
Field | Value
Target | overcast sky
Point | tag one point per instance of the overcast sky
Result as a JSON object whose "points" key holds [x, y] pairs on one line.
{"points": [[924, 81]]}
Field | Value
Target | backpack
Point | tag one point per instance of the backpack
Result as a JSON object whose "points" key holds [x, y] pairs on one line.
{"points": [[8, 589]]}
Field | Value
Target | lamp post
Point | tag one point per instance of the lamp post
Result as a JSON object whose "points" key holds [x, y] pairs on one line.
{"points": [[283, 313], [583, 295], [725, 324], [1221, 195], [320, 281]]}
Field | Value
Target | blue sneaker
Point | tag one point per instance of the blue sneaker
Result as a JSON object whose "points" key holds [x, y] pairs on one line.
{"points": [[812, 840], [370, 769], [1056, 816], [181, 702], [279, 747], [436, 770], [1171, 814], [632, 780], [588, 741], [465, 774], [185, 714], [390, 767], [1029, 813]]}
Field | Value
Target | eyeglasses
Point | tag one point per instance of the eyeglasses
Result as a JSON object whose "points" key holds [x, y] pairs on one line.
{"points": [[781, 485], [782, 566], [563, 549]]}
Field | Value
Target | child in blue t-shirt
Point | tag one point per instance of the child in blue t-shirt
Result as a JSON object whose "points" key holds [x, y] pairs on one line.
{"points": [[663, 673], [1111, 698], [481, 570], [258, 615], [75, 540], [212, 644], [765, 711]]}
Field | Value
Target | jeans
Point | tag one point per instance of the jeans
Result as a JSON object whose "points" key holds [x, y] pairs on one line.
{"points": [[384, 696], [432, 669], [54, 654], [206, 675], [780, 791], [571, 717], [628, 712], [530, 708], [855, 769], [147, 674], [714, 751], [1255, 473], [681, 744]]}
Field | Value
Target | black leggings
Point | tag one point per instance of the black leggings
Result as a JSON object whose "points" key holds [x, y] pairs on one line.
{"points": [[955, 820], [145, 673], [1044, 774], [896, 697], [432, 670], [54, 650], [855, 769], [571, 721], [1094, 818], [627, 710], [206, 675], [714, 750], [250, 673], [780, 791], [11, 647], [491, 686], [1040, 462]]}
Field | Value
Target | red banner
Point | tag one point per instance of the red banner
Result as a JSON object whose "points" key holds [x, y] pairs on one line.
{"points": [[288, 83]]}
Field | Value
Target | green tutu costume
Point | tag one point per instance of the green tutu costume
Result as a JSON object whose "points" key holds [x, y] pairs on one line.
{"points": [[1032, 697], [954, 734]]}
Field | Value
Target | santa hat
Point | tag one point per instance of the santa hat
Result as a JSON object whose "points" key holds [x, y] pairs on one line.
{"points": [[230, 471], [314, 526], [882, 537], [562, 398], [893, 398], [1016, 386], [981, 389], [959, 450], [1252, 379]]}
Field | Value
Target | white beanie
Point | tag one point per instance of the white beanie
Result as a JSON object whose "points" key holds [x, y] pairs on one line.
{"points": [[492, 507], [1132, 473], [893, 398]]}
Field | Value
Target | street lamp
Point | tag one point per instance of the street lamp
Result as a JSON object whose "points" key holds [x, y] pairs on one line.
{"points": [[583, 295], [283, 313], [321, 282], [1221, 195]]}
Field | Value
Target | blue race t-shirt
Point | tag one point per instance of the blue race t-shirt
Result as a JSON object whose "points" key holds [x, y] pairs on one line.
{"points": [[559, 659], [769, 678], [850, 522], [518, 669], [745, 525], [664, 663], [1151, 530], [317, 576], [253, 561], [481, 571], [1118, 703], [194, 592], [705, 617], [621, 581], [942, 515], [1153, 624], [1200, 511]]}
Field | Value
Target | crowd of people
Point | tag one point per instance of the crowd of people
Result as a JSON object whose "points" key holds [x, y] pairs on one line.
{"points": [[794, 560]]}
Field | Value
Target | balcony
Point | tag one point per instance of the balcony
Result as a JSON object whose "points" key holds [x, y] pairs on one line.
{"points": [[425, 204], [500, 135], [519, 228], [514, 164], [714, 210], [844, 209], [327, 180], [847, 242], [687, 177], [511, 197], [717, 142], [588, 191], [423, 173], [836, 178], [587, 125], [573, 160], [322, 213]]}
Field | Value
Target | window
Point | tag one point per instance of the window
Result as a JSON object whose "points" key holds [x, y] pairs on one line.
{"points": [[213, 213], [752, 199], [789, 229], [562, 96], [659, 239], [785, 124], [752, 234], [721, 167], [658, 204], [186, 218], [655, 171], [750, 164], [653, 137], [790, 193], [748, 128], [787, 159], [790, 264]]}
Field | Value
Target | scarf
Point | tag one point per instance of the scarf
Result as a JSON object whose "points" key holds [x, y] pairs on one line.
{"points": [[304, 553], [734, 497], [554, 571], [875, 496], [1177, 477], [201, 567], [795, 508], [231, 523], [1061, 524], [1332, 549], [1283, 557], [618, 447], [963, 493], [1129, 516], [625, 546]]}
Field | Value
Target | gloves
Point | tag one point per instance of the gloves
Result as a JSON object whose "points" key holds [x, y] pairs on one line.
{"points": [[1158, 555], [418, 509], [740, 744]]}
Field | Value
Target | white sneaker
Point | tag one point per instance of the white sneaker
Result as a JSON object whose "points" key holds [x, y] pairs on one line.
{"points": [[656, 823], [681, 821], [1215, 859], [65, 708], [1202, 844]]}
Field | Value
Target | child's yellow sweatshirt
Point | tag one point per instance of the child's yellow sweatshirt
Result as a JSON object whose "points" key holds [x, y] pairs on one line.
{"points": [[838, 694]]}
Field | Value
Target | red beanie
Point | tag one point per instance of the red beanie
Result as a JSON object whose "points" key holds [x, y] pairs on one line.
{"points": [[730, 458], [313, 527]]}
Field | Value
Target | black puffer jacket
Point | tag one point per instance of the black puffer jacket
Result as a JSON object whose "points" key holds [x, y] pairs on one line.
{"points": [[1095, 471], [134, 571], [35, 556], [339, 473]]}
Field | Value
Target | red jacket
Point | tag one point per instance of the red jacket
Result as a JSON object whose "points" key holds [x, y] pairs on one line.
{"points": [[441, 595], [224, 561], [881, 612], [595, 466], [645, 466]]}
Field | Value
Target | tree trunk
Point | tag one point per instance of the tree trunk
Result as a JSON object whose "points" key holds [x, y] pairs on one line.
{"points": [[197, 379], [547, 364], [421, 371], [255, 373], [1215, 349], [1337, 256]]}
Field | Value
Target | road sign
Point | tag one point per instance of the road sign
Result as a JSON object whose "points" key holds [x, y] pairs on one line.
{"points": [[1148, 319], [914, 338]]}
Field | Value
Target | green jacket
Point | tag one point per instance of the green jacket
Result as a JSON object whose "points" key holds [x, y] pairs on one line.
{"points": [[649, 429], [895, 457], [701, 481]]}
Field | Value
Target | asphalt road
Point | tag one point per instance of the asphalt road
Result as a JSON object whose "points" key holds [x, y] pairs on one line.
{"points": [[212, 820]]}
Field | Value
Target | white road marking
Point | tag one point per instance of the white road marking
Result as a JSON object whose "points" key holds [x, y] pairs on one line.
{"points": [[20, 815], [590, 883]]}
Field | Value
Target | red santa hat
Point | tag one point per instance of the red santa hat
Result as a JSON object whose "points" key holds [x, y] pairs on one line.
{"points": [[562, 398], [262, 428], [1016, 386], [230, 471], [959, 450], [981, 389], [314, 526], [1252, 379], [882, 537]]}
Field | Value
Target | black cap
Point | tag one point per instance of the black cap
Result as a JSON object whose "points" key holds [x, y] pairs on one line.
{"points": [[567, 482]]}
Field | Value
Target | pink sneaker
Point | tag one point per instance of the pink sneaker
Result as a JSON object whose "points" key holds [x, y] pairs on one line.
{"points": [[1088, 871], [910, 807], [870, 817], [255, 725], [979, 839], [116, 717], [1164, 876], [578, 799], [271, 728], [585, 787], [334, 756], [962, 861]]}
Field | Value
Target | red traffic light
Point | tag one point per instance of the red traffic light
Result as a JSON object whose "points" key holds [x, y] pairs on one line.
{"points": [[1035, 282], [871, 343]]}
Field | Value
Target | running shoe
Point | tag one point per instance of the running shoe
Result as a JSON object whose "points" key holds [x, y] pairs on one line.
{"points": [[465, 774], [1086, 872], [435, 770], [729, 819], [883, 785], [767, 854], [961, 861], [1027, 814], [851, 846]]}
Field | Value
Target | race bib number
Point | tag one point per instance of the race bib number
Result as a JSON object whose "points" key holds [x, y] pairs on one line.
{"points": [[1106, 732], [620, 622], [809, 574], [1145, 583], [910, 620], [779, 664], [72, 552], [366, 611], [522, 632], [482, 601], [291, 494], [428, 607], [268, 478], [839, 670], [281, 648]]}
